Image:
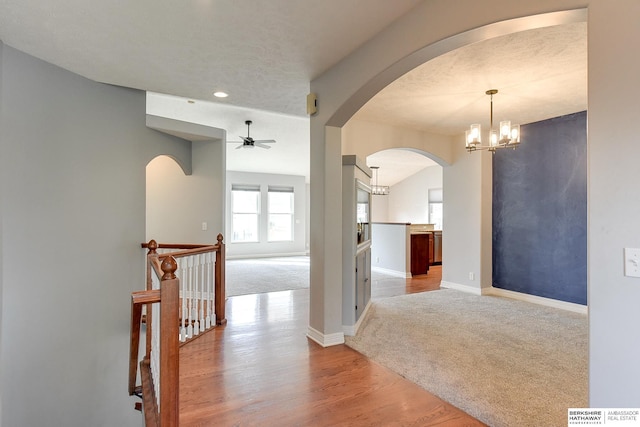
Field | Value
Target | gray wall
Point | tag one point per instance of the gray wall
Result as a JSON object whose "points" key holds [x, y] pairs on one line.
{"points": [[2, 156], [73, 208]]}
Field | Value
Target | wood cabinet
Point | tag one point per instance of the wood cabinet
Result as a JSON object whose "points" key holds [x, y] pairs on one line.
{"points": [[363, 283], [421, 250], [431, 249]]}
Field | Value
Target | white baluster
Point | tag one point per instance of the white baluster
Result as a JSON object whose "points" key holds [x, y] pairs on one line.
{"points": [[201, 286], [190, 297], [196, 280], [213, 289], [182, 272], [207, 321]]}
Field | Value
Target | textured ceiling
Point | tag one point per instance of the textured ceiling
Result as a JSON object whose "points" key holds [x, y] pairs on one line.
{"points": [[397, 164], [539, 74], [265, 53]]}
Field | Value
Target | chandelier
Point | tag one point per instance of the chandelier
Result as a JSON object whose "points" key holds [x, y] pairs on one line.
{"points": [[507, 136], [378, 190]]}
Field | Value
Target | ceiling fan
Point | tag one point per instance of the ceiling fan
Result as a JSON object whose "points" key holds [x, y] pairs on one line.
{"points": [[248, 142]]}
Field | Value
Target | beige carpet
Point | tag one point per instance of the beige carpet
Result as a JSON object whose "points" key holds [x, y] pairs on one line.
{"points": [[259, 275], [505, 362]]}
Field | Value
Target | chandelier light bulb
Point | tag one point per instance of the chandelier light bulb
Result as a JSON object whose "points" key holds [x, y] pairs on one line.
{"points": [[505, 136]]}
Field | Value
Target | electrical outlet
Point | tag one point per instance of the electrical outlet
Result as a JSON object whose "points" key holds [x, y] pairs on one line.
{"points": [[632, 262], [204, 226], [471, 276]]}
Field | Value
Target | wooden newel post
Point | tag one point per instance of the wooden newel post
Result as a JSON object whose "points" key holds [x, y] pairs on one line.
{"points": [[169, 343], [152, 246], [169, 266], [220, 290]]}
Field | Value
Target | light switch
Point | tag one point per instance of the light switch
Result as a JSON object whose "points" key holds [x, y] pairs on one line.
{"points": [[632, 262]]}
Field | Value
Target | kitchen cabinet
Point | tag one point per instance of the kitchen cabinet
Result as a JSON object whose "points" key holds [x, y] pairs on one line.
{"points": [[356, 241], [421, 249]]}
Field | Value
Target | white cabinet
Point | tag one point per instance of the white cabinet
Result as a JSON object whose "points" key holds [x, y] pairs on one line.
{"points": [[356, 241]]}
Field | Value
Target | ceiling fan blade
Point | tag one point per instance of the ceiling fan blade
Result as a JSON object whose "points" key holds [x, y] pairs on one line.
{"points": [[264, 141], [242, 146], [261, 145]]}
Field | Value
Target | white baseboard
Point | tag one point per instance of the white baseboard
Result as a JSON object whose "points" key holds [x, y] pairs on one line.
{"points": [[563, 305], [549, 302], [263, 255], [395, 273], [325, 340], [353, 330], [458, 287]]}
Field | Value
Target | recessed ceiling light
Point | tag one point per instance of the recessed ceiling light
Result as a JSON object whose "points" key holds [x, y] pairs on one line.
{"points": [[220, 94]]}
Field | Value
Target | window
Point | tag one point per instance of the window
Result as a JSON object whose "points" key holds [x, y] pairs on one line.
{"points": [[280, 200], [435, 208], [245, 208]]}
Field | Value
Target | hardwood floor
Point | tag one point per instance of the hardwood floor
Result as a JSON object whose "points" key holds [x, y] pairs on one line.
{"points": [[261, 370], [385, 286]]}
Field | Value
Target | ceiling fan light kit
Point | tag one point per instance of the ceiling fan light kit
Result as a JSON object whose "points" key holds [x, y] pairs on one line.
{"points": [[248, 142], [506, 136]]}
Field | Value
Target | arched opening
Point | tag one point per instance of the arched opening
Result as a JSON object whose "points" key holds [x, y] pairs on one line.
{"points": [[410, 176], [469, 176]]}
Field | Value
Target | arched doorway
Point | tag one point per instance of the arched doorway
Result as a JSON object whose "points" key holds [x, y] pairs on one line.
{"points": [[368, 75]]}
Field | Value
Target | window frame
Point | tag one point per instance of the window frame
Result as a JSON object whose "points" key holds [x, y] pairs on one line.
{"points": [[272, 189]]}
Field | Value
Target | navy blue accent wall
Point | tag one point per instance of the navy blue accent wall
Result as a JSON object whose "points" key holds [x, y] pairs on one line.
{"points": [[540, 211]]}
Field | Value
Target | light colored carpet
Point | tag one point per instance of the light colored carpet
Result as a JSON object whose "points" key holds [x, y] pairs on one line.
{"points": [[259, 275], [505, 362]]}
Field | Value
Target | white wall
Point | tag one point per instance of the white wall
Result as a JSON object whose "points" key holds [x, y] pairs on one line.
{"points": [[307, 217], [194, 198], [614, 205], [391, 249], [464, 240], [362, 138], [380, 209], [409, 199], [265, 248]]}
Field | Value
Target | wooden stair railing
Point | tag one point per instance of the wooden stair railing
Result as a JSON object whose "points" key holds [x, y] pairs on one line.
{"points": [[181, 300], [159, 388], [184, 255]]}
